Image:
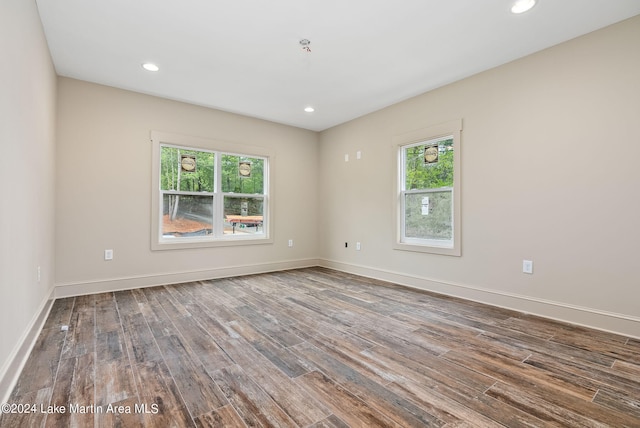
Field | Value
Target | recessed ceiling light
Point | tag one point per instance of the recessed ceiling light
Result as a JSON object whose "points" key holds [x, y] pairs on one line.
{"points": [[309, 109], [150, 66], [521, 6]]}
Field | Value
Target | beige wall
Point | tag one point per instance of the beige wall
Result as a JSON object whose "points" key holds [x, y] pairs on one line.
{"points": [[550, 173], [103, 191], [27, 120]]}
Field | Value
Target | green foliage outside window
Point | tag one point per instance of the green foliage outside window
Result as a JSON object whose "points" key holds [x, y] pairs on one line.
{"points": [[172, 177], [233, 182], [420, 175]]}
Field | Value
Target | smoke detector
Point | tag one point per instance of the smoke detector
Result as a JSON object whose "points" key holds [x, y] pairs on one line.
{"points": [[305, 44]]}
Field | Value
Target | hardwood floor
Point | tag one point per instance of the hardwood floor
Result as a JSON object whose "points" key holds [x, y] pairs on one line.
{"points": [[318, 348]]}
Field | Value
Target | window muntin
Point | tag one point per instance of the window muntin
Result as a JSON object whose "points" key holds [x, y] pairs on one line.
{"points": [[428, 190], [208, 197]]}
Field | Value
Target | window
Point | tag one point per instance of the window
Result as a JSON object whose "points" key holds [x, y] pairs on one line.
{"points": [[428, 190], [208, 193]]}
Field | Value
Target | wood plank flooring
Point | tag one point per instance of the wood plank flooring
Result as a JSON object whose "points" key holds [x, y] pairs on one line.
{"points": [[318, 348]]}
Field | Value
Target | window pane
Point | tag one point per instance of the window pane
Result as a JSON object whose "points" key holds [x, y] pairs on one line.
{"points": [[186, 170], [429, 165], [242, 174], [428, 215], [243, 215], [186, 215]]}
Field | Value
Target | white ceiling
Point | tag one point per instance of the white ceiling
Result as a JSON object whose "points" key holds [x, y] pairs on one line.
{"points": [[244, 56]]}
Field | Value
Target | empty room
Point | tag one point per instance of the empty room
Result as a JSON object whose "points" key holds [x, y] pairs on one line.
{"points": [[319, 214]]}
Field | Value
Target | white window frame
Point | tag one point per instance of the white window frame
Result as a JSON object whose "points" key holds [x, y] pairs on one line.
{"points": [[219, 148], [452, 129]]}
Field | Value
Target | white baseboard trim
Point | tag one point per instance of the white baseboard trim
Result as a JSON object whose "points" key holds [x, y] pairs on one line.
{"points": [[152, 280], [13, 366], [626, 325]]}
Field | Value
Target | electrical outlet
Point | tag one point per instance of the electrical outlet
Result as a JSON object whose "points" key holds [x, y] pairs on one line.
{"points": [[358, 155], [527, 266], [291, 242], [358, 246], [108, 254], [346, 157]]}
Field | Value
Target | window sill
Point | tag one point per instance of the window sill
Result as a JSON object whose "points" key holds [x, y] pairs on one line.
{"points": [[181, 244], [432, 249]]}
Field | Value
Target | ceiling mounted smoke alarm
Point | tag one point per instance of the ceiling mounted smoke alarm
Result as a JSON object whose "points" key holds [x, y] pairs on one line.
{"points": [[305, 44]]}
